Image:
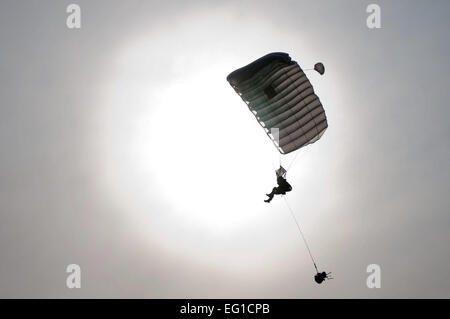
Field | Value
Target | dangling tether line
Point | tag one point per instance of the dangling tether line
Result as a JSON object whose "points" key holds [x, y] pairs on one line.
{"points": [[301, 233]]}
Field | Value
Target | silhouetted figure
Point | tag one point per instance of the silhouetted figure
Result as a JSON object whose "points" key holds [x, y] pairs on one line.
{"points": [[283, 185], [321, 276]]}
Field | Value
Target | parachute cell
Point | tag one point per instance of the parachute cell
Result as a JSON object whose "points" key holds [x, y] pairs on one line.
{"points": [[278, 93]]}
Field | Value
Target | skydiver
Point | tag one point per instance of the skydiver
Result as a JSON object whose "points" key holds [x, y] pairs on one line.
{"points": [[321, 276], [283, 185]]}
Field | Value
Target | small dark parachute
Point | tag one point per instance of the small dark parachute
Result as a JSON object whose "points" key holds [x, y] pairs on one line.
{"points": [[319, 67], [278, 93]]}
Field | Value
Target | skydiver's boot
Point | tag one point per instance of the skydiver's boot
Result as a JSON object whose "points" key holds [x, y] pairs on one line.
{"points": [[270, 197]]}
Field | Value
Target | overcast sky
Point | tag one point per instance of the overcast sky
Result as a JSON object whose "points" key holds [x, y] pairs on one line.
{"points": [[124, 150]]}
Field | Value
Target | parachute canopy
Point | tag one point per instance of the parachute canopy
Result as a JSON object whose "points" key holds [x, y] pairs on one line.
{"points": [[278, 93]]}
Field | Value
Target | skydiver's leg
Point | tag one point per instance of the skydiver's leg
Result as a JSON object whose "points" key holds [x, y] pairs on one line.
{"points": [[277, 190], [283, 190], [270, 195], [274, 191]]}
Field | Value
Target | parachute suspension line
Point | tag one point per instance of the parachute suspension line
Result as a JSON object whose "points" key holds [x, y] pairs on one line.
{"points": [[301, 233], [293, 160]]}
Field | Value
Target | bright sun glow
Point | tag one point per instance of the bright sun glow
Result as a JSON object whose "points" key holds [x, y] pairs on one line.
{"points": [[182, 151], [189, 143]]}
